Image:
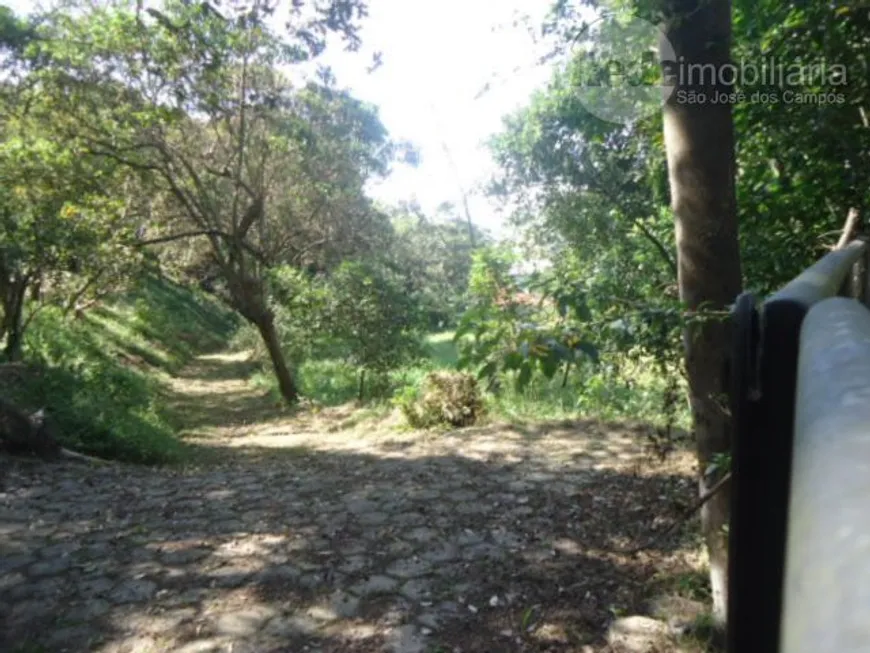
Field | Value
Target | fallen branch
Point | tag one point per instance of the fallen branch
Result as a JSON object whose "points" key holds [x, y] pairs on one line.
{"points": [[659, 537], [74, 455], [23, 434], [849, 229]]}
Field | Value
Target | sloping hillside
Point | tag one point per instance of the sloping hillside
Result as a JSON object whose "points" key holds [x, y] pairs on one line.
{"points": [[102, 376]]}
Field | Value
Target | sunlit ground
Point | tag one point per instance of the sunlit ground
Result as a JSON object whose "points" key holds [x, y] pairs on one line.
{"points": [[313, 531]]}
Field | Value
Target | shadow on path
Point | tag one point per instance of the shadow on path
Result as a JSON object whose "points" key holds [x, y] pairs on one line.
{"points": [[361, 541]]}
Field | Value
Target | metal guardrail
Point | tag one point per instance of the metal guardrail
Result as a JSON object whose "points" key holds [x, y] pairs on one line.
{"points": [[764, 375], [827, 568]]}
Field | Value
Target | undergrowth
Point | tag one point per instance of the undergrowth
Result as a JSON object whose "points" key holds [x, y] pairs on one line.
{"points": [[615, 388], [612, 390], [101, 377], [444, 398]]}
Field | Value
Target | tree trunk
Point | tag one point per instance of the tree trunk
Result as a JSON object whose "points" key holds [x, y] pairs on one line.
{"points": [[699, 139], [247, 296], [362, 385], [13, 313], [266, 326], [14, 341]]}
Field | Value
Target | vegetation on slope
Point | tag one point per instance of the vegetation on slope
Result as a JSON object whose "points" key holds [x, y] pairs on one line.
{"points": [[101, 377]]}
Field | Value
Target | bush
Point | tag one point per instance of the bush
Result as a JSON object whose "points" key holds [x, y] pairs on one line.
{"points": [[345, 332], [444, 398]]}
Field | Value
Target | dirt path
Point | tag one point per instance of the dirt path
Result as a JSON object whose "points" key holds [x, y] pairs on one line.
{"points": [[309, 534]]}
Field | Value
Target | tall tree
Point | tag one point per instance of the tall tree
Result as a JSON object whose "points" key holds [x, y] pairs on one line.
{"points": [[802, 162], [699, 142], [195, 100], [64, 222], [434, 256]]}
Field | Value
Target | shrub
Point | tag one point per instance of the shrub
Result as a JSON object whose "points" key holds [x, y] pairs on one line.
{"points": [[345, 332], [444, 398]]}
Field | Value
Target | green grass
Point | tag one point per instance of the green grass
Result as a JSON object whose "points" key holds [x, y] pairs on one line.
{"points": [[101, 378], [332, 381], [694, 585], [180, 321], [442, 349], [617, 388], [631, 391]]}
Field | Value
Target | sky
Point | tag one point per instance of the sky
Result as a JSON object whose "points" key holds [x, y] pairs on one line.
{"points": [[437, 56]]}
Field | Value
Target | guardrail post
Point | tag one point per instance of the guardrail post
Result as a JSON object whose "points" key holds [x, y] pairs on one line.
{"points": [[744, 450]]}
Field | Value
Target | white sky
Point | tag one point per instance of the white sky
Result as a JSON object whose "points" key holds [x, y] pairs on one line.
{"points": [[437, 56]]}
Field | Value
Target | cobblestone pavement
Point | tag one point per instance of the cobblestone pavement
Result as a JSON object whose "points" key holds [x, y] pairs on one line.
{"points": [[488, 540]]}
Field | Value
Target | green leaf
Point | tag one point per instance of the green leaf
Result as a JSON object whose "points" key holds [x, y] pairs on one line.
{"points": [[581, 310], [550, 365], [527, 617], [561, 352]]}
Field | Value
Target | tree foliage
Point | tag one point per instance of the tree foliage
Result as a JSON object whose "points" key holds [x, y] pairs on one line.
{"points": [[434, 255], [596, 196], [196, 102], [802, 165], [516, 331], [64, 220]]}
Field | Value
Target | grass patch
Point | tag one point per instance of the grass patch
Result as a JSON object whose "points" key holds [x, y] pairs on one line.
{"points": [[329, 382], [101, 378], [332, 381], [611, 391], [684, 598], [181, 322], [705, 634], [442, 350], [694, 585], [616, 389]]}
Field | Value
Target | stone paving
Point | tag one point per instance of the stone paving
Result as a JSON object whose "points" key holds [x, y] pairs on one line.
{"points": [[399, 544]]}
